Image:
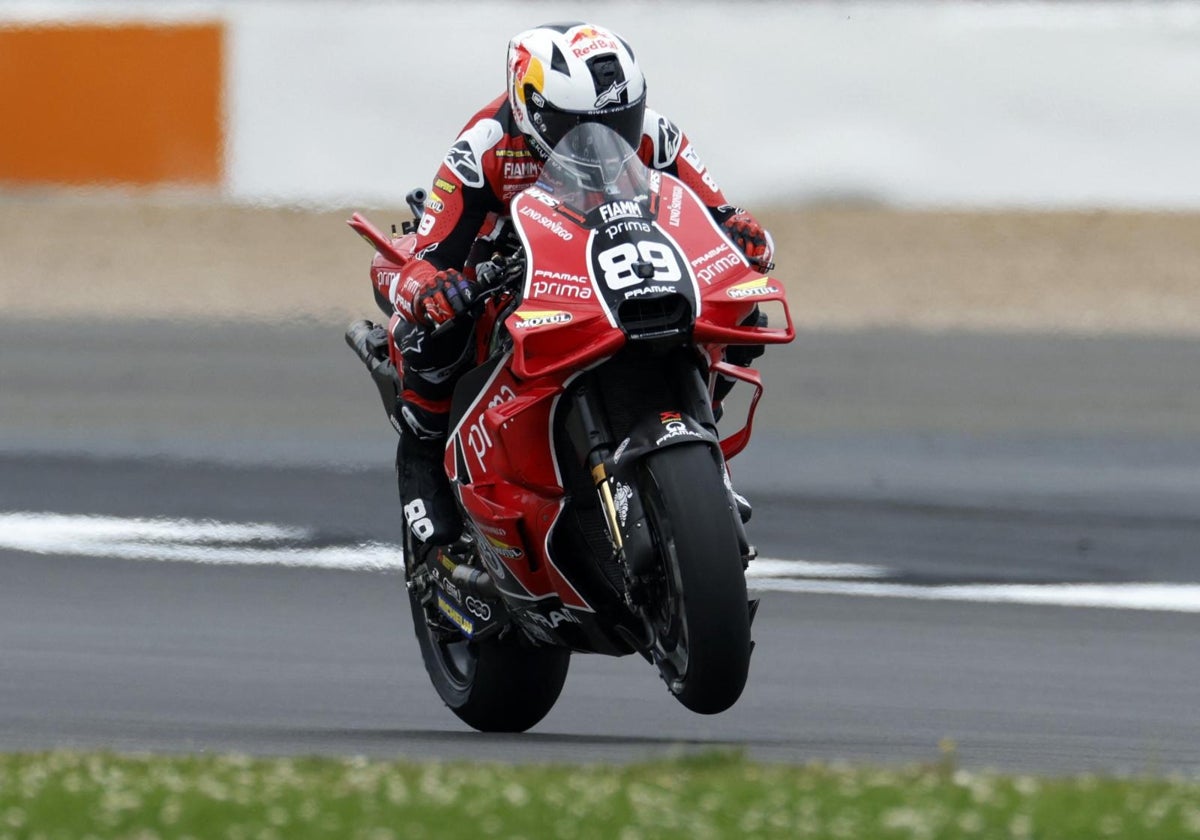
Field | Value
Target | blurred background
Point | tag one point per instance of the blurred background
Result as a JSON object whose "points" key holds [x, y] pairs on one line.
{"points": [[179, 124], [988, 219]]}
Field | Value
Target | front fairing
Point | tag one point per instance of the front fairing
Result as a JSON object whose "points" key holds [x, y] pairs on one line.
{"points": [[616, 253]]}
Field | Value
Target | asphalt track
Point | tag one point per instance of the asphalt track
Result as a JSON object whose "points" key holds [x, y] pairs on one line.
{"points": [[938, 459]]}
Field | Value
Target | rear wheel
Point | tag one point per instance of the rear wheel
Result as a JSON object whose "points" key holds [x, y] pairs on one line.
{"points": [[501, 684], [699, 617]]}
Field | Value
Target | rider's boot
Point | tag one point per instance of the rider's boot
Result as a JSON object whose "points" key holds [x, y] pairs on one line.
{"points": [[432, 367], [430, 510], [429, 507]]}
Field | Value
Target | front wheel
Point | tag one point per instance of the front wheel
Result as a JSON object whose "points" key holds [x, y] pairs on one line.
{"points": [[501, 684], [699, 617]]}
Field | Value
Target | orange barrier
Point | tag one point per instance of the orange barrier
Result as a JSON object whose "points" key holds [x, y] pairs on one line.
{"points": [[121, 104]]}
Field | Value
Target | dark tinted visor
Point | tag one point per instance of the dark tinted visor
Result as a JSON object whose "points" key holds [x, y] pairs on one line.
{"points": [[625, 120]]}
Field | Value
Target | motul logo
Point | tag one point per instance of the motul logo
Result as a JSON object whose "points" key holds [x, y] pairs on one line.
{"points": [[753, 288], [528, 320], [504, 549]]}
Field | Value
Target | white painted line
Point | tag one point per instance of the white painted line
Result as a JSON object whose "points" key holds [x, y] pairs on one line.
{"points": [[206, 541], [1163, 597], [38, 526], [769, 567], [184, 540]]}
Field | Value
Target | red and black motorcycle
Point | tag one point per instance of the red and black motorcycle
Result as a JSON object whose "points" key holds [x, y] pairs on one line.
{"points": [[584, 451]]}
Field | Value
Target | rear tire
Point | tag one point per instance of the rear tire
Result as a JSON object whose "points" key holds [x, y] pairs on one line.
{"points": [[701, 619], [496, 685]]}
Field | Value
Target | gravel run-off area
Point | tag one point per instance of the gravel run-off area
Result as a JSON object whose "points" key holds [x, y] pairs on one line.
{"points": [[120, 257]]}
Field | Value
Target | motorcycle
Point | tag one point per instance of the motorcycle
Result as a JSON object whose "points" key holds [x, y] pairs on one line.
{"points": [[583, 447]]}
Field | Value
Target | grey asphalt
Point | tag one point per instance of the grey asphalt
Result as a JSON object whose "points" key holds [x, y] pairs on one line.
{"points": [[941, 457]]}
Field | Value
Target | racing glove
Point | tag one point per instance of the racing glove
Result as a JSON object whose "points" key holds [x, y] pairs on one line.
{"points": [[439, 297], [751, 238]]}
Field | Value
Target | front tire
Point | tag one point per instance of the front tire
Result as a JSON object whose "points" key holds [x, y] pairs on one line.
{"points": [[501, 684], [700, 618]]}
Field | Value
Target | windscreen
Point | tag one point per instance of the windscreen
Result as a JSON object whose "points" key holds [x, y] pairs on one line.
{"points": [[593, 165]]}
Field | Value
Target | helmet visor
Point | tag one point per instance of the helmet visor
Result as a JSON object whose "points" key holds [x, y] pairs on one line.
{"points": [[553, 123]]}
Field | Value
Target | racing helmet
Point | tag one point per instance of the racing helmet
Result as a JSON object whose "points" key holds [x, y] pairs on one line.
{"points": [[563, 74]]}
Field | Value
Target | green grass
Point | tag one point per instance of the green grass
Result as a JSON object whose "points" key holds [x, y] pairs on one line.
{"points": [[74, 795]]}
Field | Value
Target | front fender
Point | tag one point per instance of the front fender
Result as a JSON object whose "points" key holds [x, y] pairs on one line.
{"points": [[651, 434]]}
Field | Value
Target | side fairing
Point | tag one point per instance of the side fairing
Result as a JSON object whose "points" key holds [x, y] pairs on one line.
{"points": [[728, 286], [500, 458]]}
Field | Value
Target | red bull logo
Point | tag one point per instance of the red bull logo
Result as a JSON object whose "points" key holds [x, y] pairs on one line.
{"points": [[588, 40], [585, 33]]}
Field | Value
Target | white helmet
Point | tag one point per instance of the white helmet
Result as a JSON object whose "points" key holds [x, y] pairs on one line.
{"points": [[564, 74]]}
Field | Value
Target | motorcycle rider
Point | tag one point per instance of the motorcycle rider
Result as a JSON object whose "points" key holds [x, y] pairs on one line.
{"points": [[559, 75]]}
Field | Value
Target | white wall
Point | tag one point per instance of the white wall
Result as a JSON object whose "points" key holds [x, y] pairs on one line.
{"points": [[927, 104]]}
